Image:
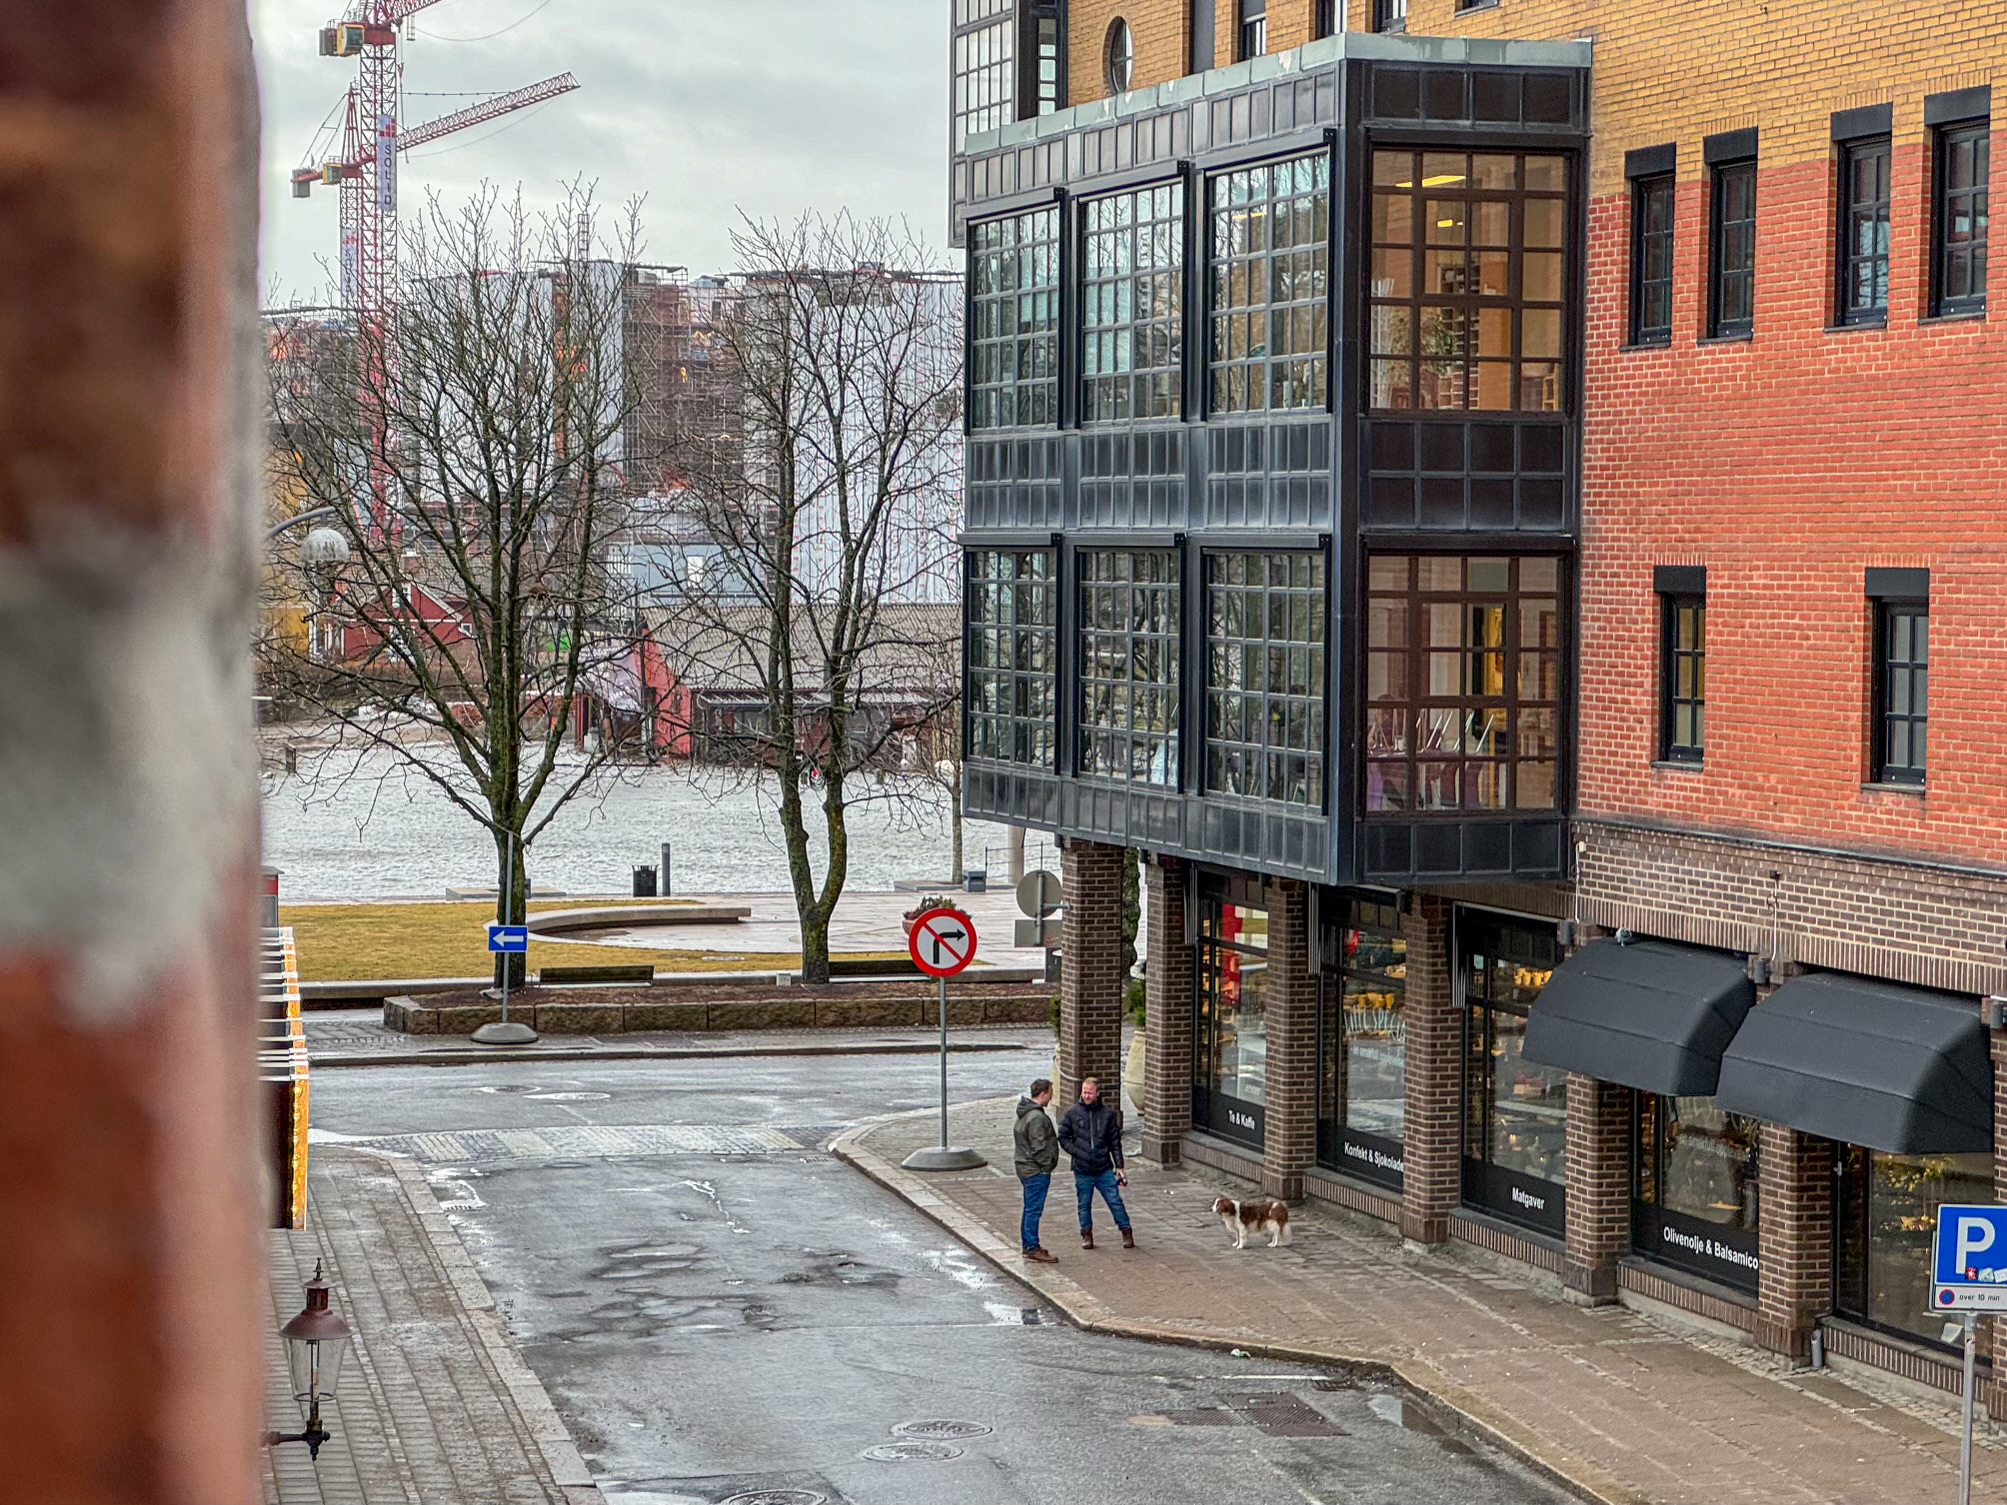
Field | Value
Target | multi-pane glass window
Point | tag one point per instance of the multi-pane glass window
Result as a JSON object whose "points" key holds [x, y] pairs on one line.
{"points": [[1694, 1185], [1651, 260], [1120, 56], [1886, 1217], [1362, 1054], [1265, 615], [1515, 1126], [1463, 683], [1253, 28], [1268, 293], [1390, 15], [1230, 1075], [1129, 623], [1467, 280], [1013, 625], [1132, 292], [1963, 164], [1014, 314], [1902, 690], [982, 66], [1864, 232], [1047, 39], [1683, 678], [1732, 252]]}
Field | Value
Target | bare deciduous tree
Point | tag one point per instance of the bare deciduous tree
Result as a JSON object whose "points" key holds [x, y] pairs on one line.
{"points": [[833, 523], [469, 442]]}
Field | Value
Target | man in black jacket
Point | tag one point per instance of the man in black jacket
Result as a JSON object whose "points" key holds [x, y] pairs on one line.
{"points": [[1091, 1133]]}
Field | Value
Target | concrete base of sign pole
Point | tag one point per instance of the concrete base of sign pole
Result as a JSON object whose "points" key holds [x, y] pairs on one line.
{"points": [[513, 1032], [940, 1158]]}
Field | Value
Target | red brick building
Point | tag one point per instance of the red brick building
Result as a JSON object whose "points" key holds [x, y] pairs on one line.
{"points": [[1629, 908]]}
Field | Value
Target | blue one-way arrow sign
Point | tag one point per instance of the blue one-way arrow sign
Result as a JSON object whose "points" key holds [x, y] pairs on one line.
{"points": [[508, 938]]}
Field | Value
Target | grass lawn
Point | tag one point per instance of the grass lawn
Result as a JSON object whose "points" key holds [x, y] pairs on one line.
{"points": [[371, 942]]}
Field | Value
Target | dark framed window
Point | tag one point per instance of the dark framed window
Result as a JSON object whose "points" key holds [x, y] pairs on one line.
{"points": [[1014, 320], [1132, 304], [1390, 15], [1682, 678], [1863, 273], [983, 63], [1048, 43], [1515, 1118], [1362, 1041], [1268, 292], [1012, 605], [1326, 19], [1902, 690], [1694, 1187], [1129, 625], [1731, 258], [1884, 1220], [1652, 259], [1468, 274], [1253, 29], [1230, 1037], [1265, 616], [1118, 56], [1958, 225], [1463, 683]]}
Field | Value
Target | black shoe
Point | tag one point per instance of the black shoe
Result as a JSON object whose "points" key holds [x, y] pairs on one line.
{"points": [[1087, 1238]]}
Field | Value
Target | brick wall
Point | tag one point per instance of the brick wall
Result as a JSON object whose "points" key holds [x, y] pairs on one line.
{"points": [[1169, 1003], [1289, 1132], [1162, 32], [1795, 1239], [1433, 1148], [1091, 980], [1599, 1186]]}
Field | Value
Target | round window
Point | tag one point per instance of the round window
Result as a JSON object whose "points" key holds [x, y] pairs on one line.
{"points": [[1121, 56]]}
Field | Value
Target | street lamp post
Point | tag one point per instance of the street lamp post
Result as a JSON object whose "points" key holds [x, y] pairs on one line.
{"points": [[316, 1342]]}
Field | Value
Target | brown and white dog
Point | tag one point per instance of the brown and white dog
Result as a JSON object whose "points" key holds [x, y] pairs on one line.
{"points": [[1256, 1216]]}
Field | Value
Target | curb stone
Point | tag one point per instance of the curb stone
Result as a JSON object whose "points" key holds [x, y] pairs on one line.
{"points": [[1450, 1404], [475, 1056]]}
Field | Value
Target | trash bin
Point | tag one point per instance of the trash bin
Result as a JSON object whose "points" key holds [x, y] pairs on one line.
{"points": [[644, 883], [976, 880]]}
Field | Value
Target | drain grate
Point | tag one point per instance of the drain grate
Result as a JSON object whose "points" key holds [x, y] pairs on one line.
{"points": [[1201, 1416], [1279, 1415], [941, 1431], [1334, 1384], [778, 1497], [910, 1452]]}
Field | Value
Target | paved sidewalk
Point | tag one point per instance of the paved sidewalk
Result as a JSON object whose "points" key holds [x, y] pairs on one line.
{"points": [[1618, 1406], [434, 1406], [358, 1037]]}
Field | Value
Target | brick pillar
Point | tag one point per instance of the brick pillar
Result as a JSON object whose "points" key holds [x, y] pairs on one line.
{"points": [[1091, 980], [1796, 1242], [132, 1290], [1432, 1186], [1168, 1012], [1599, 1187], [1289, 1110]]}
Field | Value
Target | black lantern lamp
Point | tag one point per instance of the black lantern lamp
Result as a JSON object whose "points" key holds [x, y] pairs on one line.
{"points": [[316, 1343]]}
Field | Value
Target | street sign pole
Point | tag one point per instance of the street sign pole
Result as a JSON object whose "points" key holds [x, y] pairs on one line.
{"points": [[943, 982], [1965, 1450], [942, 943], [507, 1031]]}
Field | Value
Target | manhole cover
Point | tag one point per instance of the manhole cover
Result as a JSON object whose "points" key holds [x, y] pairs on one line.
{"points": [[910, 1452], [942, 1431], [778, 1497]]}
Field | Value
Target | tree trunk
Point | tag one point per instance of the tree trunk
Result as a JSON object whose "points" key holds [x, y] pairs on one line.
{"points": [[512, 894], [955, 825]]}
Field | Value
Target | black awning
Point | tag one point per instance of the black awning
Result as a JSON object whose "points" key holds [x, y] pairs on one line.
{"points": [[1865, 1063], [1648, 1014]]}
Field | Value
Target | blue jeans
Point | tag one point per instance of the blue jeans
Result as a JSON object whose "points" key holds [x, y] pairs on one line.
{"points": [[1084, 1188], [1035, 1188]]}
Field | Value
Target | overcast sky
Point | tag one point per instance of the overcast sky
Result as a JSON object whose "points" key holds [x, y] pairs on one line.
{"points": [[706, 107]]}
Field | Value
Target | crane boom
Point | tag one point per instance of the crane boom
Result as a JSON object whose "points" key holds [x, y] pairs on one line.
{"points": [[486, 110]]}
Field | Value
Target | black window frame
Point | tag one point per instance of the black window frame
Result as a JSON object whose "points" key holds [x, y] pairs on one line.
{"points": [[1118, 233], [1130, 605], [1852, 211], [1671, 750], [1727, 317], [1723, 1250], [1364, 957], [1901, 682], [1390, 15], [1251, 34], [1485, 945], [1277, 752], [1946, 259], [1013, 340], [1648, 192], [1276, 191], [982, 68], [1324, 20], [1011, 622]]}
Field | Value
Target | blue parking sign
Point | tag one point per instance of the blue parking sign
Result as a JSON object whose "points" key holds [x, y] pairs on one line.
{"points": [[1969, 1262], [508, 938]]}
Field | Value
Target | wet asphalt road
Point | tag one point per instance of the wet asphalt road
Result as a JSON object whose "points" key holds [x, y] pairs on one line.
{"points": [[718, 1308]]}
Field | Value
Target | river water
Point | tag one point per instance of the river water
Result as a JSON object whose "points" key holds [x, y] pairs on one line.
{"points": [[371, 828]]}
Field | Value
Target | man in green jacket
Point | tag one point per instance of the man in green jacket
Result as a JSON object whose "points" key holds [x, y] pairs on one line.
{"points": [[1037, 1147]]}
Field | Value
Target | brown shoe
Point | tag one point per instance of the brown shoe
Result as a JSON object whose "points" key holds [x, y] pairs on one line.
{"points": [[1087, 1238], [1041, 1256], [1128, 1239]]}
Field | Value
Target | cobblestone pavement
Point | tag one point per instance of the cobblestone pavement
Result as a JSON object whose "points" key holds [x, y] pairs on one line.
{"points": [[1619, 1405], [434, 1406]]}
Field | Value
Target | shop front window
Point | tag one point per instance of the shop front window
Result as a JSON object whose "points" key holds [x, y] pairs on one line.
{"points": [[1694, 1188], [1884, 1223], [1362, 1046], [1515, 1131], [1230, 1085]]}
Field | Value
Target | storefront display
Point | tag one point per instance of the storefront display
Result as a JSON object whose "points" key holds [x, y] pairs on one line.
{"points": [[1515, 1130], [1694, 1188], [1362, 1040], [1884, 1221], [1230, 1058]]}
